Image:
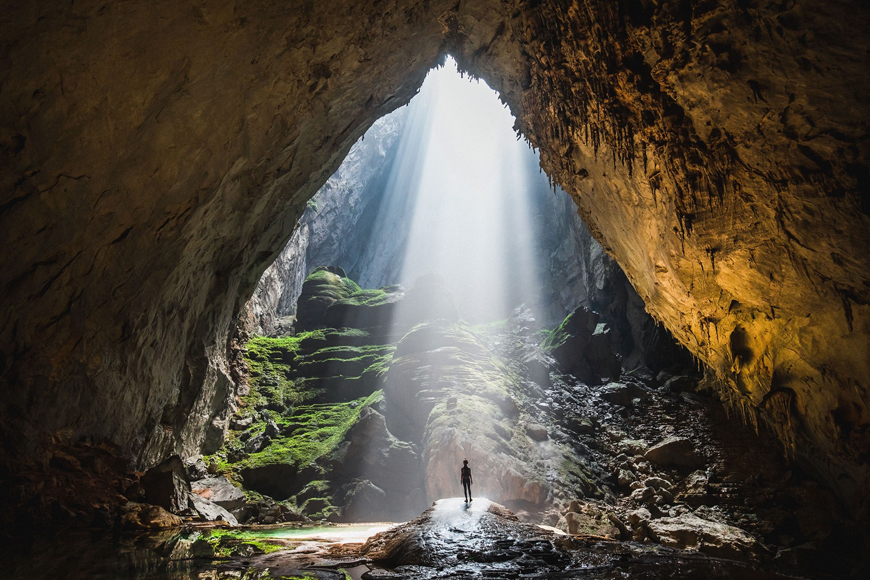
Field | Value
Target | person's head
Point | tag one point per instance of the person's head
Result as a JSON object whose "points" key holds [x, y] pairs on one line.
{"points": [[464, 462]]}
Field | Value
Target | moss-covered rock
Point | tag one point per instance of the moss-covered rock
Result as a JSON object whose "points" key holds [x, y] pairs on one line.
{"points": [[322, 288]]}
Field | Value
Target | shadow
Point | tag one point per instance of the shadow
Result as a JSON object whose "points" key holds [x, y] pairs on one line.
{"points": [[465, 506]]}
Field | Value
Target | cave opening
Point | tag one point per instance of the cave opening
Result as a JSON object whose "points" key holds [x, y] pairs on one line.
{"points": [[156, 156]]}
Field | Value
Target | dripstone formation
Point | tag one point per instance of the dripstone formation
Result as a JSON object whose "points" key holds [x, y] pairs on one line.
{"points": [[156, 157]]}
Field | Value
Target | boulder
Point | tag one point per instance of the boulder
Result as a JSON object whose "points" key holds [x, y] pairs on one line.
{"points": [[272, 431], [241, 423], [642, 494], [657, 483], [588, 519], [219, 490], [257, 443], [140, 516], [675, 452], [582, 347], [625, 478], [325, 286], [210, 512], [633, 447], [537, 432], [196, 469], [167, 485], [693, 489], [639, 517], [581, 425], [713, 538], [621, 393]]}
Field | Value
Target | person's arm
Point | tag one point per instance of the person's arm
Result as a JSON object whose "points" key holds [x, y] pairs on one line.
{"points": [[470, 479]]}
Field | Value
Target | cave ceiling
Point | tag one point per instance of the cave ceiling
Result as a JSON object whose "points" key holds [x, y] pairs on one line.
{"points": [[156, 156]]}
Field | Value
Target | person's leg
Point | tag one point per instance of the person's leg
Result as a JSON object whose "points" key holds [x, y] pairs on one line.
{"points": [[466, 489]]}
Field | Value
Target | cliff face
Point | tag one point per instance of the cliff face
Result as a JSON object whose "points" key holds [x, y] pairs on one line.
{"points": [[156, 158], [330, 230]]}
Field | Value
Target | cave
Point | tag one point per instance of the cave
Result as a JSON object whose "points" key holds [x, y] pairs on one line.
{"points": [[159, 157]]}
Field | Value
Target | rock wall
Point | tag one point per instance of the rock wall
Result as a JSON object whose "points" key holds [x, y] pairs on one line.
{"points": [[330, 229], [156, 157]]}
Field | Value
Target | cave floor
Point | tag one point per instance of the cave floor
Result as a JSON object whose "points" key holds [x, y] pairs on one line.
{"points": [[452, 539]]}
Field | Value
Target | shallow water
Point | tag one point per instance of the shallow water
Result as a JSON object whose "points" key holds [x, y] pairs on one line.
{"points": [[339, 533], [171, 555]]}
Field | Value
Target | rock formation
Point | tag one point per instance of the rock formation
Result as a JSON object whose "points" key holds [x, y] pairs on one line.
{"points": [[156, 158]]}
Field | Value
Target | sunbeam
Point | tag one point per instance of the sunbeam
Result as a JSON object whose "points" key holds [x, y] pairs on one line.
{"points": [[468, 179]]}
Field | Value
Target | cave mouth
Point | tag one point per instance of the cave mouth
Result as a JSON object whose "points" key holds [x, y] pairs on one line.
{"points": [[434, 283], [392, 338], [666, 141]]}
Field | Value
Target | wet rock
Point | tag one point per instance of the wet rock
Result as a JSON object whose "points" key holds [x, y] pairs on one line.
{"points": [[219, 490], [167, 485], [643, 375], [675, 452], [211, 512], [713, 538], [146, 516], [620, 393], [433, 538]]}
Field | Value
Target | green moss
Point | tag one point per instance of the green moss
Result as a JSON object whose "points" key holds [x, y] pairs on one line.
{"points": [[319, 430], [342, 286], [227, 542]]}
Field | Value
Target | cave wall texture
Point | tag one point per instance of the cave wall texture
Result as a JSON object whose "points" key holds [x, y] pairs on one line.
{"points": [[156, 156]]}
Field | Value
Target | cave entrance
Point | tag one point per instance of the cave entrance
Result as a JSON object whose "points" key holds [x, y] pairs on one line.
{"points": [[441, 188], [417, 317]]}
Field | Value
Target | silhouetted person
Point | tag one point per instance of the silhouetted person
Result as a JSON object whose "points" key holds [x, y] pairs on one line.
{"points": [[465, 477]]}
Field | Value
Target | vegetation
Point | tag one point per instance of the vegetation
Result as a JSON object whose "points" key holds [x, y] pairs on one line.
{"points": [[227, 542], [558, 336], [312, 431]]}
